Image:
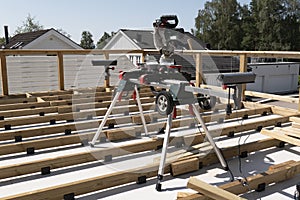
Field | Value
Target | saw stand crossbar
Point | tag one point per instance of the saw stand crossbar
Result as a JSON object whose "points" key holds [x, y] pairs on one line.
{"points": [[164, 102], [117, 97]]}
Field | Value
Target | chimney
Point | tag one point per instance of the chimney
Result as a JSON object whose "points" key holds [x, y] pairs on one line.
{"points": [[6, 34]]}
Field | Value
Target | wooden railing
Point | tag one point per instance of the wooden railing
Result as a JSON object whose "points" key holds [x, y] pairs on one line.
{"points": [[197, 54]]}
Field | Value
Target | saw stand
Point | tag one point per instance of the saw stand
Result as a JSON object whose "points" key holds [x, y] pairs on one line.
{"points": [[165, 104]]}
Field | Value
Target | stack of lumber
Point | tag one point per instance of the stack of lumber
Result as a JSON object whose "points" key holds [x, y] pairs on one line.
{"points": [[290, 134]]}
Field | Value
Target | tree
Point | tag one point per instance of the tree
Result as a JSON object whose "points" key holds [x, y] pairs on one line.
{"points": [[277, 22], [2, 41], [29, 25], [219, 24], [103, 40], [86, 40]]}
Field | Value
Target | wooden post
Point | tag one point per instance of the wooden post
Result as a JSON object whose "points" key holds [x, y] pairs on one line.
{"points": [[143, 57], [4, 75], [199, 73], [61, 76], [299, 100], [243, 68], [107, 78]]}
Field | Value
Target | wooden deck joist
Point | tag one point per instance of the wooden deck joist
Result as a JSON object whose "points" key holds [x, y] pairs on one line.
{"points": [[113, 134], [96, 183], [272, 97], [53, 118]]}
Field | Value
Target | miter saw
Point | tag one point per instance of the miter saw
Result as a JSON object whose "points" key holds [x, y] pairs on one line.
{"points": [[177, 89]]}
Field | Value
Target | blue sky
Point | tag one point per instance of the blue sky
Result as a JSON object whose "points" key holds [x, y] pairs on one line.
{"points": [[97, 16]]}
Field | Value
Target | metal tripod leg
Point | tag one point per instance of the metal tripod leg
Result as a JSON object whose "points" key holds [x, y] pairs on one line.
{"points": [[164, 152], [99, 130], [210, 139], [140, 109]]}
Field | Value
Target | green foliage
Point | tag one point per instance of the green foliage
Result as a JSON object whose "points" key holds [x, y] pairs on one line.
{"points": [[29, 25], [87, 41], [2, 41], [262, 25], [219, 24], [103, 40]]}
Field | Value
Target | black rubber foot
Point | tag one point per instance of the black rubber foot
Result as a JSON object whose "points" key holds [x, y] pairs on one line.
{"points": [[158, 187]]}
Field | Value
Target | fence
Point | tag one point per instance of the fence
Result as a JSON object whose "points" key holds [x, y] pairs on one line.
{"points": [[60, 69]]}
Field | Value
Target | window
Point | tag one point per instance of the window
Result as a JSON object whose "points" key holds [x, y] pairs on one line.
{"points": [[138, 59]]}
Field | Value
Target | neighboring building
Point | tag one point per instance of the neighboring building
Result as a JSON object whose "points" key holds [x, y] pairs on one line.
{"points": [[143, 40], [43, 39]]}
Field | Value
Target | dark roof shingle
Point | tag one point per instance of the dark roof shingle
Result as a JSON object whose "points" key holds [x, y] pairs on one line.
{"points": [[23, 39]]}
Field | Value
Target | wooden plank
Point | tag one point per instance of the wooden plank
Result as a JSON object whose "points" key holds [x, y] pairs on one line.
{"points": [[104, 104], [272, 96], [281, 137], [72, 116], [289, 132], [77, 158], [295, 119], [275, 175], [24, 105], [76, 96], [281, 165], [30, 111], [284, 111], [17, 100], [229, 152], [89, 185], [185, 166], [89, 100], [83, 157], [115, 135], [211, 191]]}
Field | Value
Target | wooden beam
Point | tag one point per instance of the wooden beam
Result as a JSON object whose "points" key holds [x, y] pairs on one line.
{"points": [[211, 191], [89, 185], [81, 157], [284, 172], [199, 70], [243, 68], [295, 119], [61, 76], [74, 116], [28, 111], [272, 96], [104, 104], [4, 76], [18, 106], [211, 158], [282, 137]]}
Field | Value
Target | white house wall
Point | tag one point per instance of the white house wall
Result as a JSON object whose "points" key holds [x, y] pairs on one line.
{"points": [[50, 42], [121, 42]]}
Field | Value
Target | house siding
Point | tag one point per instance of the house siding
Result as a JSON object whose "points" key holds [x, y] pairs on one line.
{"points": [[51, 42]]}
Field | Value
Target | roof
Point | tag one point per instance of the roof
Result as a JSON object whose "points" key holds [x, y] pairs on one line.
{"points": [[144, 38], [23, 39]]}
